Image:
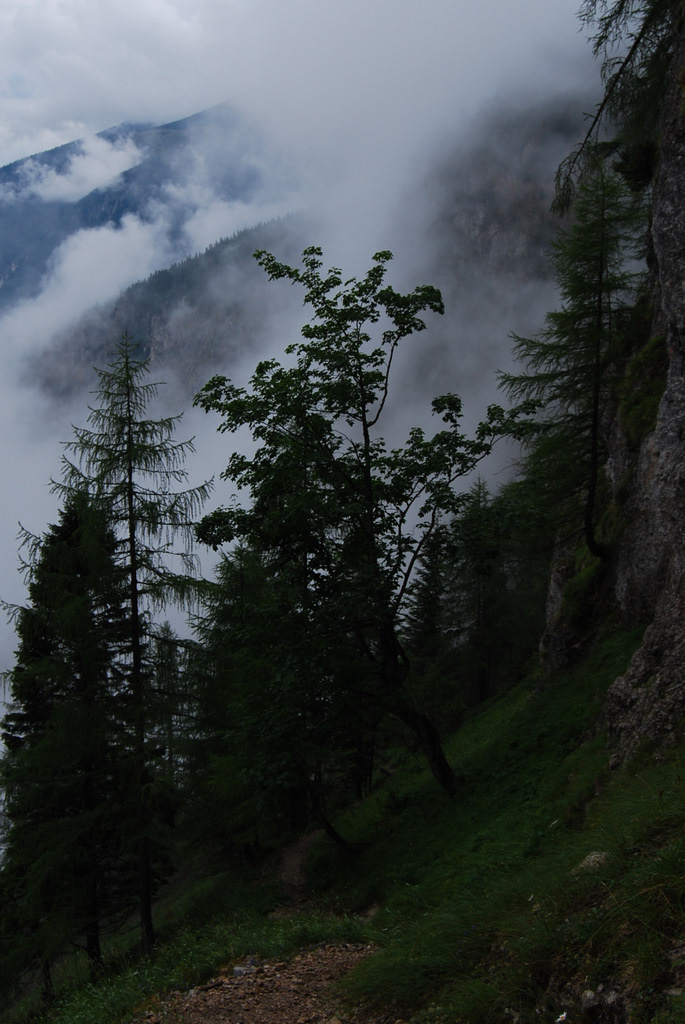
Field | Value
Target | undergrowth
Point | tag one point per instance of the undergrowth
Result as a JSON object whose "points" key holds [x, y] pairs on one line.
{"points": [[190, 958], [193, 957], [549, 875]]}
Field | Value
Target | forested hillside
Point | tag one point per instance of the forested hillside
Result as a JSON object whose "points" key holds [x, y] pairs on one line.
{"points": [[486, 228], [47, 198], [467, 696]]}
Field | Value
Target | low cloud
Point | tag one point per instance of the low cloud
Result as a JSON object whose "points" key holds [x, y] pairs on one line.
{"points": [[222, 219], [91, 267], [97, 164], [359, 98]]}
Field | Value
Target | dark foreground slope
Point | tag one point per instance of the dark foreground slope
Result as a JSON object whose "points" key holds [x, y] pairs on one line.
{"points": [[551, 888]]}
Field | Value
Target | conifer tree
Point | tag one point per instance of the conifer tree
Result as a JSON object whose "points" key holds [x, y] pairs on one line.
{"points": [[566, 363], [477, 604], [635, 40], [135, 469], [282, 699], [170, 699], [64, 863]]}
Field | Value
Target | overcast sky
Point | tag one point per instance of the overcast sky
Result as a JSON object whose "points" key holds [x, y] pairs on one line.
{"points": [[354, 94], [338, 71]]}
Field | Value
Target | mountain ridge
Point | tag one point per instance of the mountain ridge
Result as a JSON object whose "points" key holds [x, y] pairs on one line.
{"points": [[471, 247], [33, 225]]}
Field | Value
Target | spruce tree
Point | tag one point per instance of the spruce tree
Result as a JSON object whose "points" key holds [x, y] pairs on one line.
{"points": [[282, 700], [64, 863], [477, 604]]}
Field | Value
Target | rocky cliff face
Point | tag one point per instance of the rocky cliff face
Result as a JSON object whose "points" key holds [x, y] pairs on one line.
{"points": [[648, 702]]}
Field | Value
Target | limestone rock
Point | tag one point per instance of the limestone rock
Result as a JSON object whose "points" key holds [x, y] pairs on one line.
{"points": [[647, 703]]}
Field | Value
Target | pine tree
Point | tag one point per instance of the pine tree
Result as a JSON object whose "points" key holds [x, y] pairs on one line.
{"points": [[133, 466], [477, 603], [171, 702]]}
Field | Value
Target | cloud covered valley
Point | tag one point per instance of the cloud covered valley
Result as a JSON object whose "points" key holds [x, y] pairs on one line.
{"points": [[435, 136]]}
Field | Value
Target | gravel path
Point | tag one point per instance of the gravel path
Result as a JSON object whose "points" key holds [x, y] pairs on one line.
{"points": [[299, 990], [295, 991]]}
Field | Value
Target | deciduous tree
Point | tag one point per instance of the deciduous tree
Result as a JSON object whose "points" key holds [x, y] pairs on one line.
{"points": [[339, 517]]}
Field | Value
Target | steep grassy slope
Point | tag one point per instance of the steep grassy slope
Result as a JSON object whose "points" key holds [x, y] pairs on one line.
{"points": [[552, 877], [552, 886]]}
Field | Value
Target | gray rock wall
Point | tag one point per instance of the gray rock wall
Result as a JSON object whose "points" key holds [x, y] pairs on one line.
{"points": [[648, 702]]}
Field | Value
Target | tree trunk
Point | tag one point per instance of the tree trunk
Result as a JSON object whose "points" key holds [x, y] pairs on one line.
{"points": [[595, 547], [145, 891], [92, 929], [93, 948], [431, 745], [395, 670], [138, 695], [48, 993]]}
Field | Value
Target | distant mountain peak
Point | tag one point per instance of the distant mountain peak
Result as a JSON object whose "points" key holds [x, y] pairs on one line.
{"points": [[152, 172]]}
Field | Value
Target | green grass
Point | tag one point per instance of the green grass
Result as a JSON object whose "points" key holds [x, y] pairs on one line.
{"points": [[193, 957], [483, 905], [478, 905], [205, 920]]}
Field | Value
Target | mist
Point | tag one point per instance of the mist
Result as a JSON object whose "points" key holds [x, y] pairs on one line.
{"points": [[365, 116]]}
